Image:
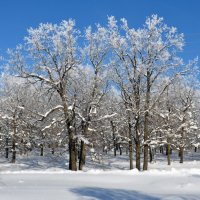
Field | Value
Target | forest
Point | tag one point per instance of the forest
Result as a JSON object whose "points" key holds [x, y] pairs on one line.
{"points": [[105, 90]]}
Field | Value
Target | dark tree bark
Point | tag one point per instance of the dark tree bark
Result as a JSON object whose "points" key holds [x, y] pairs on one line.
{"points": [[41, 150], [72, 154], [53, 151], [14, 142], [13, 152], [137, 144], [130, 144], [181, 154], [146, 121], [137, 117], [7, 149], [70, 129], [161, 150], [150, 155], [138, 161], [120, 150], [131, 154], [168, 154], [82, 155], [114, 138], [181, 148]]}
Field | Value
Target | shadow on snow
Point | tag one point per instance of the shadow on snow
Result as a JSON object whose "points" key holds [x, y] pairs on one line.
{"points": [[111, 194], [120, 194]]}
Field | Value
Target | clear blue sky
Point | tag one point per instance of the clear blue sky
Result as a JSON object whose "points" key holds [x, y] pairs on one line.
{"points": [[18, 15]]}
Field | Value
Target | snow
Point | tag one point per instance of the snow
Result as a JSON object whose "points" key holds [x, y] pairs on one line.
{"points": [[6, 117], [49, 126], [101, 185], [93, 110], [90, 129], [70, 107], [21, 107], [82, 118], [47, 178], [92, 150], [107, 116], [50, 111], [82, 138]]}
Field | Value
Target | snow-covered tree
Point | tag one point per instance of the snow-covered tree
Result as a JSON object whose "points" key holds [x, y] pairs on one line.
{"points": [[48, 56], [110, 88]]}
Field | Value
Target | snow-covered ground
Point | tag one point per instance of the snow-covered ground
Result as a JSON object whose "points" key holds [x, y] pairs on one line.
{"points": [[46, 178]]}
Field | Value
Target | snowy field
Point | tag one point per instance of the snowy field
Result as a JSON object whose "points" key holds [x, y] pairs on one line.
{"points": [[47, 179]]}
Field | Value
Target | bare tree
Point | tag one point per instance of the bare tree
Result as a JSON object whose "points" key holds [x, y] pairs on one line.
{"points": [[51, 56]]}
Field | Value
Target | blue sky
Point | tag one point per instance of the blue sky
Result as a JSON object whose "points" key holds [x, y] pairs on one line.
{"points": [[18, 15]]}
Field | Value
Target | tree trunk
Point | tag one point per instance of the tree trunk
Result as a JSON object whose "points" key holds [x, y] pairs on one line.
{"points": [[146, 121], [72, 155], [146, 152], [120, 150], [150, 155], [13, 152], [115, 149], [166, 150], [41, 150], [195, 149], [131, 154], [168, 154], [130, 144], [138, 162], [14, 142], [137, 119], [161, 149], [114, 138], [137, 141], [181, 154], [7, 149], [69, 127], [82, 155], [53, 151], [181, 148]]}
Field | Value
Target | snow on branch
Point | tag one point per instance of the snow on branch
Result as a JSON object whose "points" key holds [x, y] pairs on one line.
{"points": [[6, 117], [106, 117], [82, 138], [49, 126], [49, 112], [82, 118]]}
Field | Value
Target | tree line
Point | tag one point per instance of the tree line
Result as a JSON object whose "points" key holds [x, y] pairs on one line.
{"points": [[106, 88]]}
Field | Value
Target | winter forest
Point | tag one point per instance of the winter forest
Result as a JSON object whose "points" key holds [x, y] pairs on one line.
{"points": [[105, 90]]}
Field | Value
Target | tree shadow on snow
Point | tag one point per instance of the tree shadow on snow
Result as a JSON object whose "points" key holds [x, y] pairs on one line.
{"points": [[111, 194]]}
